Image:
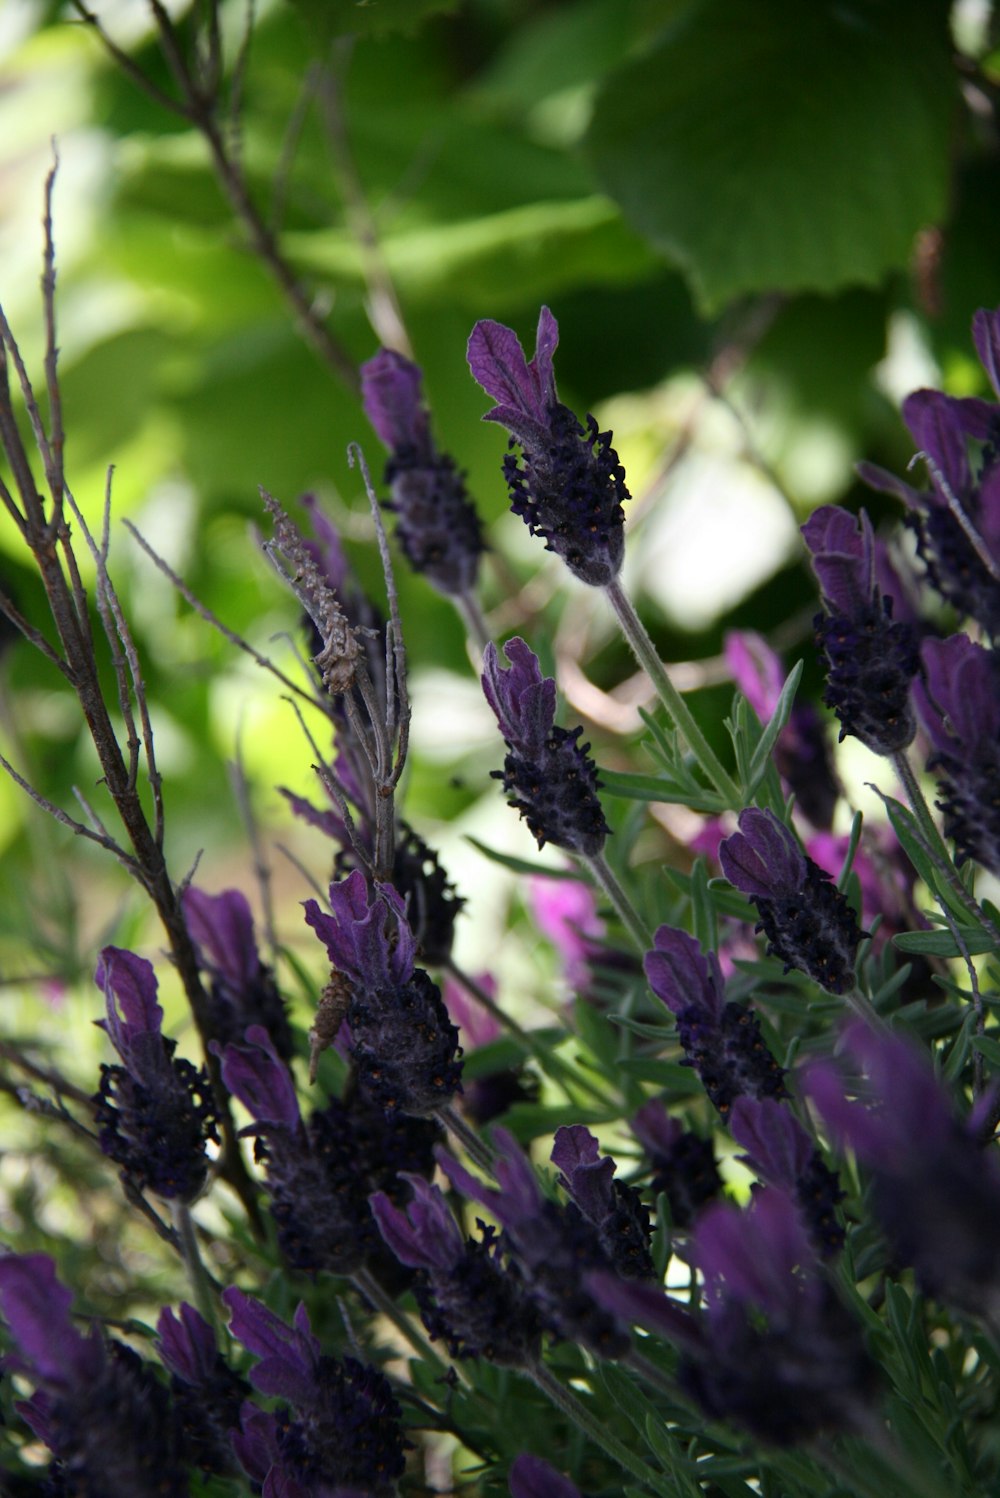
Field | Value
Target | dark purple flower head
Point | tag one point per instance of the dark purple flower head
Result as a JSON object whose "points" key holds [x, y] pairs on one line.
{"points": [[437, 526], [935, 1190], [569, 485], [553, 1247], [780, 1356], [342, 1430], [243, 990], [957, 520], [531, 1477], [208, 1394], [807, 921], [721, 1040], [155, 1113], [614, 1209], [683, 1162], [551, 778], [871, 659], [465, 1295], [96, 1406], [404, 1047], [781, 1152], [960, 708]]}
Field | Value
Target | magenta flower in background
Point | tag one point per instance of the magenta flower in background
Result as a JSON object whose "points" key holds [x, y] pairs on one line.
{"points": [[569, 486], [565, 910]]}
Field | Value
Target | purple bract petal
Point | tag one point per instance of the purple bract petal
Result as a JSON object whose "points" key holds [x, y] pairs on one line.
{"points": [[681, 974], [777, 1145], [586, 1175], [425, 1235], [222, 926], [288, 1354], [372, 944], [36, 1307], [256, 1074], [525, 392], [391, 395], [843, 557], [762, 858], [986, 334], [187, 1344], [129, 981], [519, 1198], [646, 1306], [751, 1256], [961, 702], [523, 700], [531, 1477]]}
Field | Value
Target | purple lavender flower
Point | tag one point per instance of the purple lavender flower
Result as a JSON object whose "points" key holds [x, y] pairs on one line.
{"points": [[776, 1352], [683, 1162], [781, 1152], [802, 753], [243, 991], [807, 921], [549, 776], [319, 1173], [569, 485], [437, 525], [553, 1247], [935, 1190], [339, 1425], [871, 659], [614, 1209], [404, 1047], [957, 521], [154, 1112], [721, 1040], [96, 1406], [531, 1477], [207, 1393], [466, 1297], [960, 708]]}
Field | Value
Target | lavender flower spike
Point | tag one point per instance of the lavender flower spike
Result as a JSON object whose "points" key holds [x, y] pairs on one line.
{"points": [[550, 778], [871, 659], [96, 1405], [569, 486], [437, 526], [721, 1040], [935, 1189], [155, 1113], [465, 1295], [781, 1152], [806, 919], [960, 707]]}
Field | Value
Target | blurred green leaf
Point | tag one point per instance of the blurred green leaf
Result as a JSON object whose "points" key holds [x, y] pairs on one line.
{"points": [[735, 142]]}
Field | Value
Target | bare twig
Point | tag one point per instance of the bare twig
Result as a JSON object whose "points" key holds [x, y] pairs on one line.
{"points": [[66, 820], [262, 869]]}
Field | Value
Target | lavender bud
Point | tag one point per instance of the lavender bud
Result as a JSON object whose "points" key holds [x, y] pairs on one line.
{"points": [[721, 1040], [807, 921], [871, 660], [569, 485], [243, 991], [551, 779], [154, 1112], [436, 524], [208, 1394], [683, 1162]]}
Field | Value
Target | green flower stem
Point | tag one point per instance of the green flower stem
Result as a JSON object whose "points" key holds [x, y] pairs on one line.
{"points": [[575, 1410], [553, 1065], [937, 848], [865, 1010], [201, 1285], [472, 617], [680, 715], [369, 1287], [604, 875], [477, 1150]]}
